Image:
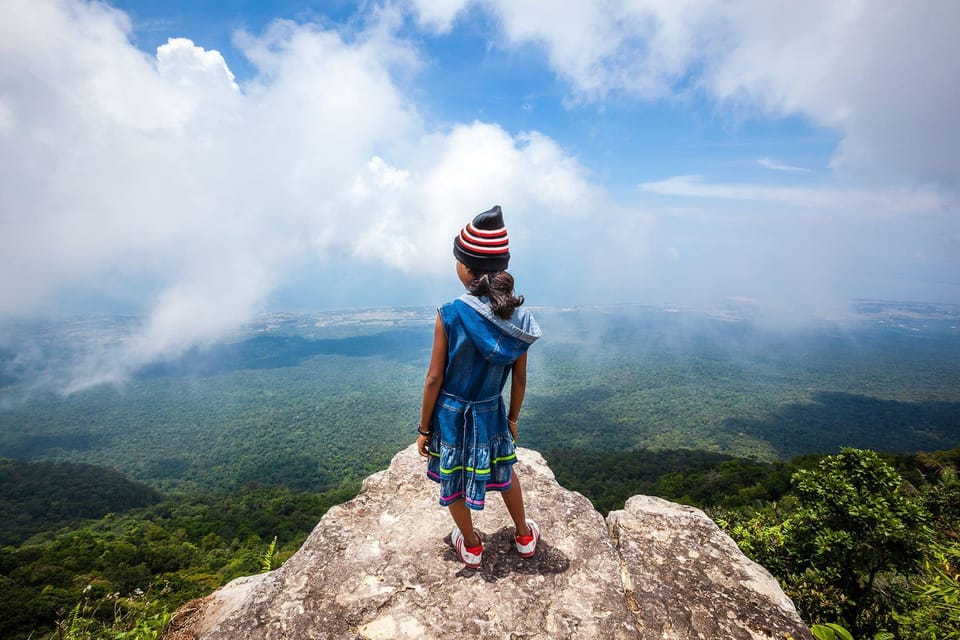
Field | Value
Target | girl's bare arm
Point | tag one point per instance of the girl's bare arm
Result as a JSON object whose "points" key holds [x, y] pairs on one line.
{"points": [[518, 385], [431, 386]]}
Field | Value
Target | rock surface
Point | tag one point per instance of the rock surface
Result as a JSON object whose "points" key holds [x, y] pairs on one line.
{"points": [[381, 566], [684, 578]]}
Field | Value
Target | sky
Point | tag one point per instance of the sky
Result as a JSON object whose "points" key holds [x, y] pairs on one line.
{"points": [[199, 163]]}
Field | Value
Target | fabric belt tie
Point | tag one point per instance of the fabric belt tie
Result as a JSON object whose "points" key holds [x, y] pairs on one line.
{"points": [[470, 409]]}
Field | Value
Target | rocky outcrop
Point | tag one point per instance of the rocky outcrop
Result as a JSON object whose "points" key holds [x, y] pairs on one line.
{"points": [[684, 578], [381, 566]]}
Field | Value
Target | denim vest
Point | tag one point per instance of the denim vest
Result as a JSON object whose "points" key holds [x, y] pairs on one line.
{"points": [[471, 450]]}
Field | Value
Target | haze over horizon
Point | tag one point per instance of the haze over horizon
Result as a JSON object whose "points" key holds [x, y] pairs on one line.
{"points": [[199, 163]]}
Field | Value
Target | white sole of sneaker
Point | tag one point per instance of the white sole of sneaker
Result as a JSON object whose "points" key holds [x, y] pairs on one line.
{"points": [[471, 560], [528, 550]]}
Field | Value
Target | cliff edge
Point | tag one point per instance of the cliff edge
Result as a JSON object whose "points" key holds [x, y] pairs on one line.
{"points": [[380, 566]]}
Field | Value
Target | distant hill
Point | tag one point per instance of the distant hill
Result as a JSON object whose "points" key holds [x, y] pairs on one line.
{"points": [[39, 496]]}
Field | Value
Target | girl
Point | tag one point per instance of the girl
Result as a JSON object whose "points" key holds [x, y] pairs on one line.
{"points": [[478, 341]]}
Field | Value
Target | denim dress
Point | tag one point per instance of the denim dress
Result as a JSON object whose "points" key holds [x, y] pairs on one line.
{"points": [[472, 450]]}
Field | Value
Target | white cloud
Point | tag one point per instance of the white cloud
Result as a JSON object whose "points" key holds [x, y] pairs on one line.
{"points": [[192, 67], [637, 46], [776, 165], [867, 202], [160, 171], [160, 177], [457, 173], [438, 15], [886, 78]]}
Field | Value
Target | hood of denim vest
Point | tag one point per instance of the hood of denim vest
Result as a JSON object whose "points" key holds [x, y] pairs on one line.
{"points": [[499, 341]]}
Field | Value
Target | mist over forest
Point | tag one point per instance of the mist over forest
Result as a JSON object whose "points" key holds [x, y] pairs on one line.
{"points": [[315, 400]]}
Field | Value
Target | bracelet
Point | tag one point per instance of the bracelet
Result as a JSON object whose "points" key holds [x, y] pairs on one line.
{"points": [[424, 433], [511, 421]]}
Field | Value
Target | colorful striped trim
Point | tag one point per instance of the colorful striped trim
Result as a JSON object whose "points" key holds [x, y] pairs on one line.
{"points": [[486, 233], [479, 472], [484, 241], [490, 485]]}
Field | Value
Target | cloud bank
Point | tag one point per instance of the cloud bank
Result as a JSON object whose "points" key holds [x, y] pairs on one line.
{"points": [[882, 219], [160, 181], [885, 78]]}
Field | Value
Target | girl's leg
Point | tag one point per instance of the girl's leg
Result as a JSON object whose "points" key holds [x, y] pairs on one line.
{"points": [[464, 520], [513, 498]]}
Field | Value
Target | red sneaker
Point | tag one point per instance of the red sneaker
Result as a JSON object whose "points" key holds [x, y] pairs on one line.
{"points": [[527, 545], [471, 556]]}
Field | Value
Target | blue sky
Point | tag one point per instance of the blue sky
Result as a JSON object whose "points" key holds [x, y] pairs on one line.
{"points": [[467, 76], [198, 163]]}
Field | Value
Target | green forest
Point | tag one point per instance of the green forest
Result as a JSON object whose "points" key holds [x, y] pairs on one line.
{"points": [[121, 502], [127, 566]]}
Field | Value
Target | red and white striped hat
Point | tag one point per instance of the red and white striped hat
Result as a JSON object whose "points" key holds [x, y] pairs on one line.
{"points": [[483, 245]]}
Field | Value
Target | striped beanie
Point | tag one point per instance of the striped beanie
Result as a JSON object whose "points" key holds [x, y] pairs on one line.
{"points": [[483, 244]]}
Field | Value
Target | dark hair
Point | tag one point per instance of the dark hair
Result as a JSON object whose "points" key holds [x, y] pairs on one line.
{"points": [[498, 287]]}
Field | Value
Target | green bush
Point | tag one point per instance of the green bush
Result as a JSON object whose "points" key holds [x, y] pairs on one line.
{"points": [[934, 612], [842, 552]]}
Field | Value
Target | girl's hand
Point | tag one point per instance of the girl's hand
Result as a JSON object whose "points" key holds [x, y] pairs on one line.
{"points": [[423, 446], [513, 431]]}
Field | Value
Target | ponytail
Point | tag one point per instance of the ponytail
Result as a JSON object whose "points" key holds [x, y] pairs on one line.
{"points": [[497, 286]]}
